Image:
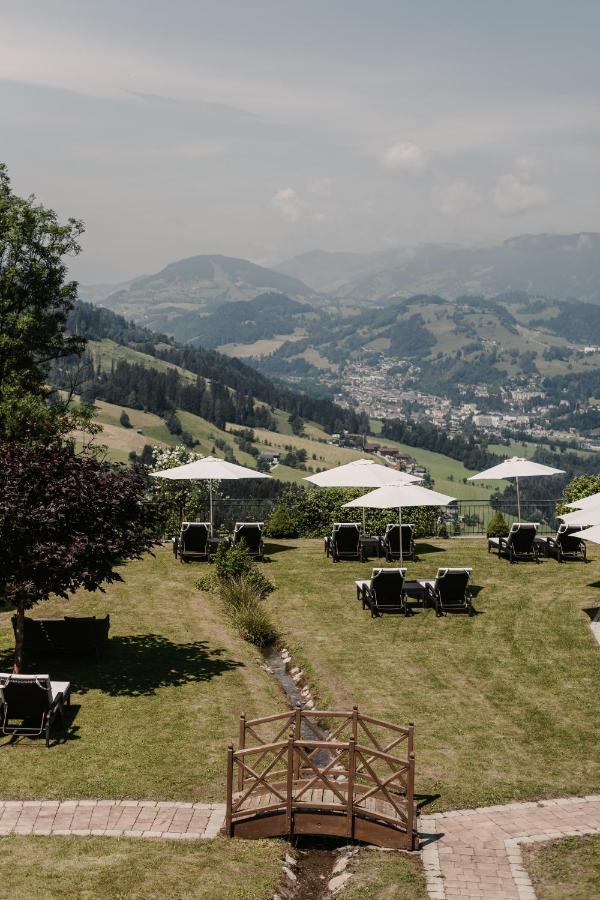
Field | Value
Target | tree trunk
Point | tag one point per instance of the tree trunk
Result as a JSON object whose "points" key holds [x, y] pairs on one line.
{"points": [[19, 635]]}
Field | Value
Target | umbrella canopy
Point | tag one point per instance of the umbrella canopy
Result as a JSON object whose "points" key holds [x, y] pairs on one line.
{"points": [[589, 534], [361, 473], [589, 516], [516, 467], [395, 496], [585, 502], [210, 469]]}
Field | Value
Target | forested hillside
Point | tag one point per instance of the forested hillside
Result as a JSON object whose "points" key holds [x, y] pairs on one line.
{"points": [[218, 388]]}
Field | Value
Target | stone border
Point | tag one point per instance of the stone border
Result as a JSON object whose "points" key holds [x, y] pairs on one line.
{"points": [[515, 857]]}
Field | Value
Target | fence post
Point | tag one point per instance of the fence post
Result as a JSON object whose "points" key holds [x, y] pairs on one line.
{"points": [[410, 801], [290, 785], [297, 735], [242, 745], [350, 794], [355, 723], [229, 798], [411, 738]]}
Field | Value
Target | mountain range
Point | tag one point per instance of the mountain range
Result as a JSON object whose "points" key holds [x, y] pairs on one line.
{"points": [[552, 265]]}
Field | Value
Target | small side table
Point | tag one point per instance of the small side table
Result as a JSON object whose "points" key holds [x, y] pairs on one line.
{"points": [[214, 543], [370, 546]]}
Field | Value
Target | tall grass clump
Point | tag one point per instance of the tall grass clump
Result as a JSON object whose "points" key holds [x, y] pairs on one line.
{"points": [[242, 588]]}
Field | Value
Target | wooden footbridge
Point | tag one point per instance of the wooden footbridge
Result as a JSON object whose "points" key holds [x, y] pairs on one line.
{"points": [[291, 777]]}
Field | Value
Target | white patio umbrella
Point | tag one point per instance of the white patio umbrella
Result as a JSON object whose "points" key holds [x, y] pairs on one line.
{"points": [[589, 516], [361, 473], [395, 496], [589, 534], [210, 469], [516, 468], [585, 502]]}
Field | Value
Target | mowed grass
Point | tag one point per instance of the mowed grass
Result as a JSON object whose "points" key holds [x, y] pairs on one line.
{"points": [[568, 869], [505, 703], [152, 717], [386, 876], [99, 868]]}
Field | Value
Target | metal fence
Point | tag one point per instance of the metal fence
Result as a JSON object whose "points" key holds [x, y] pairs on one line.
{"points": [[471, 517], [227, 511]]}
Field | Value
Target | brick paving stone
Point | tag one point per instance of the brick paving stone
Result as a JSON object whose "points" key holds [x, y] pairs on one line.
{"points": [[478, 853]]}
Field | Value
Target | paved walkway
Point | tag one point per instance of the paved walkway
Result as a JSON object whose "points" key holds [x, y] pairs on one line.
{"points": [[112, 818], [475, 853]]}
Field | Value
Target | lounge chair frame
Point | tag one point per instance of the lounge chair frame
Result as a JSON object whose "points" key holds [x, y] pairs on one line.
{"points": [[345, 542], [450, 592], [372, 593], [563, 546], [187, 532], [389, 539], [243, 530], [520, 544], [49, 708]]}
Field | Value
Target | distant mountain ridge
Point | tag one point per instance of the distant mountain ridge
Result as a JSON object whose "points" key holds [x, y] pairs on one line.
{"points": [[198, 284], [552, 265]]}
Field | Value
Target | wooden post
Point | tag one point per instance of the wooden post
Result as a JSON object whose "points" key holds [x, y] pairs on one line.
{"points": [[242, 746], [411, 738], [410, 801], [290, 785], [229, 798], [297, 736], [350, 794], [355, 723]]}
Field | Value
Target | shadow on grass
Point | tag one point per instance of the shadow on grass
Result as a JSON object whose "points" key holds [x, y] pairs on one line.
{"points": [[423, 549], [135, 665], [271, 549]]}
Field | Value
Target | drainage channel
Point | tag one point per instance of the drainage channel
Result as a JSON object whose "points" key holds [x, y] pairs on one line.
{"points": [[320, 863]]}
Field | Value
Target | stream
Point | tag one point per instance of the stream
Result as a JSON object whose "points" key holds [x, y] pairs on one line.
{"points": [[316, 855]]}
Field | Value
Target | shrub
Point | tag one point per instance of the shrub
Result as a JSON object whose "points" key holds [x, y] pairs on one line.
{"points": [[442, 530], [234, 564], [124, 420], [281, 524], [497, 526], [582, 486], [243, 605]]}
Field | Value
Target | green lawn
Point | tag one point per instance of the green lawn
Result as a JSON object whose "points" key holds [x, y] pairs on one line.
{"points": [[386, 876], [99, 868], [568, 869], [154, 715], [504, 703]]}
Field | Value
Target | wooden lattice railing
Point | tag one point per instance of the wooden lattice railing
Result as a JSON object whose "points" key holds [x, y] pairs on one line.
{"points": [[286, 763]]}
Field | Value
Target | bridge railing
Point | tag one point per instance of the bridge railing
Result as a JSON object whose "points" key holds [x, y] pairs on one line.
{"points": [[353, 770]]}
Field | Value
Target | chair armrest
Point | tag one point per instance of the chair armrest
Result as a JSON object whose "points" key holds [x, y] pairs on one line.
{"points": [[552, 542]]}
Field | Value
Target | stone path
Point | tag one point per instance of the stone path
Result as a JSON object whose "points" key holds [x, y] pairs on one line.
{"points": [[112, 818], [474, 853]]}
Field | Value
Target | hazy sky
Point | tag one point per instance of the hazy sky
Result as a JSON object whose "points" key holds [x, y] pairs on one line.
{"points": [[264, 129]]}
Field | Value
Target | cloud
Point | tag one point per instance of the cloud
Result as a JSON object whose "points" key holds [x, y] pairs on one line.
{"points": [[287, 203], [320, 187], [403, 156], [512, 195], [457, 197]]}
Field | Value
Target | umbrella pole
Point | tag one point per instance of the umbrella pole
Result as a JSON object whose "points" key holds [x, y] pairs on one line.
{"points": [[364, 525], [518, 498], [210, 504], [400, 524]]}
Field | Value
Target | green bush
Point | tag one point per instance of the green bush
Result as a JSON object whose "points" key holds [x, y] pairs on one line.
{"points": [[310, 512], [244, 607], [281, 524], [497, 526], [235, 563], [442, 530], [582, 486]]}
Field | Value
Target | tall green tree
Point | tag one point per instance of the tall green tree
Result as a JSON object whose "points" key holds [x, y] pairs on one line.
{"points": [[35, 300]]}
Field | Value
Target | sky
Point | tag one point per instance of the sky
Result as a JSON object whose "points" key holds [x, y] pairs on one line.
{"points": [[266, 129]]}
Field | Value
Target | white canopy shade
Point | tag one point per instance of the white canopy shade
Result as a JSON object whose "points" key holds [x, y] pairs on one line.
{"points": [[361, 473], [589, 534], [395, 496], [585, 502], [210, 469], [516, 467], [590, 516]]}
